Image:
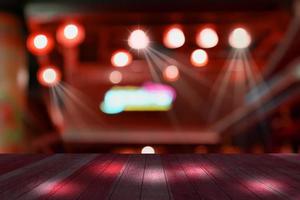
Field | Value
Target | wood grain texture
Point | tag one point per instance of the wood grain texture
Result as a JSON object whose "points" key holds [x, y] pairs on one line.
{"points": [[147, 177]]}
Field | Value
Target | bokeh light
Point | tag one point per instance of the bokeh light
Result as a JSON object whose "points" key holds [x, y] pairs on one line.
{"points": [[199, 58], [115, 77], [121, 58], [207, 38], [174, 38], [49, 76], [40, 44], [138, 39], [239, 38], [70, 35], [148, 150], [171, 73]]}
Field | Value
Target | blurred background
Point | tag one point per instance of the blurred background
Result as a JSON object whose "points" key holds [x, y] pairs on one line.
{"points": [[129, 76]]}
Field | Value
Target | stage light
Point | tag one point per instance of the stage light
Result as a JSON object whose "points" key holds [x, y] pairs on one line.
{"points": [[171, 73], [49, 76], [70, 35], [40, 44], [138, 39], [148, 150], [207, 38], [239, 38], [174, 38], [121, 58], [199, 58], [40, 41], [115, 77]]}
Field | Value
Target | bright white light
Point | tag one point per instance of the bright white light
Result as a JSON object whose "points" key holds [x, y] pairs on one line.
{"points": [[199, 58], [49, 76], [171, 73], [40, 41], [174, 38], [239, 38], [71, 31], [148, 150], [207, 38], [115, 77], [121, 59], [138, 39]]}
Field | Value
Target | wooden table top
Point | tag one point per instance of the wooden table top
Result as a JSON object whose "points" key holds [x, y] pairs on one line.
{"points": [[157, 177]]}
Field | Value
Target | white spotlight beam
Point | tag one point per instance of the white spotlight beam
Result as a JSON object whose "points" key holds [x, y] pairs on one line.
{"points": [[279, 84]]}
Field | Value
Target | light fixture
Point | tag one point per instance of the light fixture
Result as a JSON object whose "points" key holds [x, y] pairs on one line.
{"points": [[49, 76], [207, 38], [138, 39], [115, 77], [148, 150], [70, 35], [121, 58], [199, 58], [171, 73], [174, 38], [239, 38], [39, 44]]}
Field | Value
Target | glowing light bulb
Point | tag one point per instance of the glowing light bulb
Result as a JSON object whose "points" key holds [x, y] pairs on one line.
{"points": [[171, 73], [121, 59], [148, 150], [207, 38], [49, 76], [40, 41], [138, 39], [115, 77], [71, 31], [174, 38], [239, 38], [70, 35], [199, 58]]}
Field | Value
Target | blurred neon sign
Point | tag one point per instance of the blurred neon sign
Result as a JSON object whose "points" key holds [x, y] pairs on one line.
{"points": [[149, 97]]}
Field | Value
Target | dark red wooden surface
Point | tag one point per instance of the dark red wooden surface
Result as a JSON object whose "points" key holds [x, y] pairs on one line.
{"points": [[157, 177]]}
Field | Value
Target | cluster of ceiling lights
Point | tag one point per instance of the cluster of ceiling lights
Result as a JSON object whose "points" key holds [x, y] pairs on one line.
{"points": [[174, 38], [72, 34]]}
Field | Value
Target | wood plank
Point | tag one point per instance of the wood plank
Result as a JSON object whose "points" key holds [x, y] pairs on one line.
{"points": [[154, 182], [72, 186], [14, 162], [130, 183], [44, 174], [180, 186], [251, 181], [202, 180], [101, 185], [279, 182], [231, 183]]}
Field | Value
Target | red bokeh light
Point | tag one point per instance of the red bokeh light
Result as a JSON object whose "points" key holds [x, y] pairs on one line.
{"points": [[70, 34], [40, 43], [49, 76]]}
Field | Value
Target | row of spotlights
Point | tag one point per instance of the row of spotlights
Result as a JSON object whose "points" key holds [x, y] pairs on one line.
{"points": [[174, 38]]}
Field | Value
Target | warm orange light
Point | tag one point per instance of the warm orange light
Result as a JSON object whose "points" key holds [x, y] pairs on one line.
{"points": [[70, 35], [49, 76], [138, 39], [39, 44], [121, 58], [148, 150], [207, 38], [171, 73], [199, 58], [174, 38], [115, 77]]}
